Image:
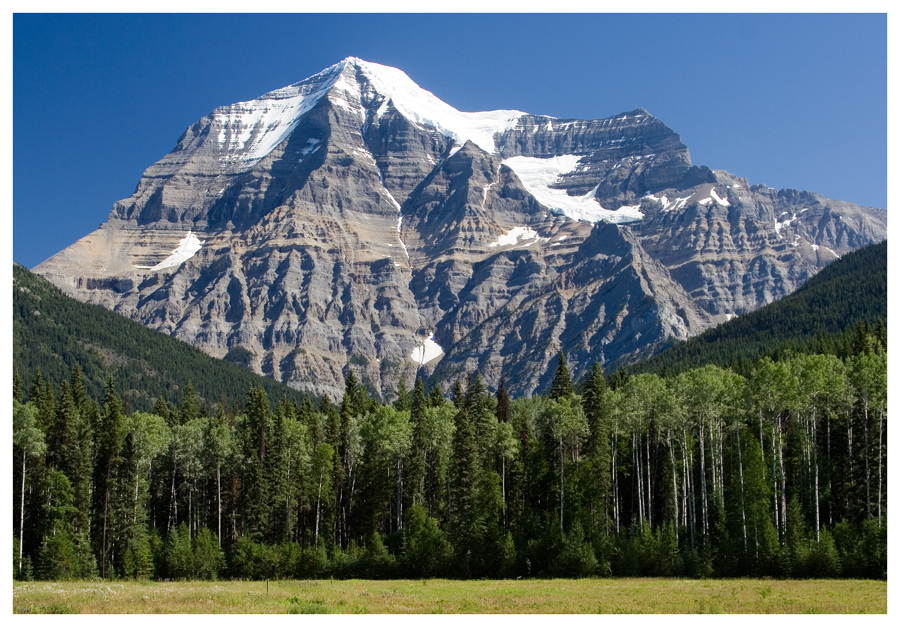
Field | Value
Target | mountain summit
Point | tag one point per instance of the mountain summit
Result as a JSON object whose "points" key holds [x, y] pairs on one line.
{"points": [[353, 219]]}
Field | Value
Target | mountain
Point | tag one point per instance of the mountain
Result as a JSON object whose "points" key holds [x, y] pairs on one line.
{"points": [[52, 333], [822, 315], [355, 219]]}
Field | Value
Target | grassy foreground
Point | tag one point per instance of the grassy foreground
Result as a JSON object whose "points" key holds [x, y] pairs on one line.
{"points": [[547, 596]]}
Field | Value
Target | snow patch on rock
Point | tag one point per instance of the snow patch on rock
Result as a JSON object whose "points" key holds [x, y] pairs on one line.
{"points": [[721, 201], [516, 235], [780, 225], [187, 248], [427, 351], [537, 175]]}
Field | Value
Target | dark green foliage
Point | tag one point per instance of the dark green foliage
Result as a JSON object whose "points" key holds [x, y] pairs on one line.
{"points": [[18, 393], [576, 557], [435, 397], [57, 559], [562, 381], [257, 506], [208, 557], [240, 356], [180, 553], [52, 333], [426, 549], [404, 398], [138, 558], [502, 410]]}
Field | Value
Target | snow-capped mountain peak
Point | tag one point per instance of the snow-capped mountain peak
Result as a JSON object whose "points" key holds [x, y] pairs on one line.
{"points": [[425, 109], [248, 131]]}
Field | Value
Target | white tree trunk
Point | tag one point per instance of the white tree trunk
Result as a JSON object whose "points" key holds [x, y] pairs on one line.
{"points": [[22, 512], [741, 473], [649, 493], [674, 484], [880, 441], [219, 499]]}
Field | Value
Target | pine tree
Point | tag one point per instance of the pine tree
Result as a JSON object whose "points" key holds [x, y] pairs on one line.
{"points": [[43, 398], [160, 408], [458, 396], [592, 403], [190, 405], [341, 479], [502, 410], [464, 523], [419, 447], [257, 506], [404, 399], [69, 452], [109, 444], [596, 479], [18, 392], [79, 392], [435, 396], [562, 382]]}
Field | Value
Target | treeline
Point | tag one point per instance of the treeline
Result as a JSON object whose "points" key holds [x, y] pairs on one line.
{"points": [[52, 333], [707, 473], [827, 314]]}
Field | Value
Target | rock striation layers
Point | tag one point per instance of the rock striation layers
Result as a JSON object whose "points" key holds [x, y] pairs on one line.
{"points": [[355, 220]]}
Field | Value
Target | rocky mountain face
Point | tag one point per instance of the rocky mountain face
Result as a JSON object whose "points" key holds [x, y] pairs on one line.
{"points": [[353, 220]]}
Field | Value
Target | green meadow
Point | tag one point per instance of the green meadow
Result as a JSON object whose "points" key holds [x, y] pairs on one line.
{"points": [[443, 596]]}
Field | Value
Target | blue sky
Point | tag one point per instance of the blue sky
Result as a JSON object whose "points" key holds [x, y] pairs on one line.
{"points": [[793, 100]]}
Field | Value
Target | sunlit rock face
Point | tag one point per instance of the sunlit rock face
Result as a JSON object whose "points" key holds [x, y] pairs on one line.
{"points": [[353, 220]]}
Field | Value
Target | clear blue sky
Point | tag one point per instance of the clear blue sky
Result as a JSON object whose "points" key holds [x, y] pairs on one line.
{"points": [[786, 100]]}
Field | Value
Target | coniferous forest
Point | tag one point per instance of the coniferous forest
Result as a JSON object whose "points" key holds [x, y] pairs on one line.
{"points": [[705, 473]]}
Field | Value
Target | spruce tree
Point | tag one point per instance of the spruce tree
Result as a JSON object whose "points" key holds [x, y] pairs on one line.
{"points": [[18, 392], [79, 392], [592, 404], [419, 447], [464, 525], [109, 443], [69, 452], [404, 399], [435, 396], [562, 382], [458, 397], [350, 405], [162, 409], [257, 506], [502, 410], [190, 405]]}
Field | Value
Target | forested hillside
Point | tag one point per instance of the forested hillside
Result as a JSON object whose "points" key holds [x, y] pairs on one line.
{"points": [[707, 473], [52, 333], [828, 314]]}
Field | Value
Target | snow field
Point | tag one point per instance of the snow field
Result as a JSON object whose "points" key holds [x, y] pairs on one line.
{"points": [[427, 351], [187, 248], [514, 236], [538, 174]]}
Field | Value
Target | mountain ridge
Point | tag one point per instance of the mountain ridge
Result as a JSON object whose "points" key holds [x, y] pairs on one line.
{"points": [[818, 316]]}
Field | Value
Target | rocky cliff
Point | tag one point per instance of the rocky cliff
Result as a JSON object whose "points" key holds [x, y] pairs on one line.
{"points": [[355, 220]]}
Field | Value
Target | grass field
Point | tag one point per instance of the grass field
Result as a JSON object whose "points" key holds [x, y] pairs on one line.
{"points": [[547, 596]]}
